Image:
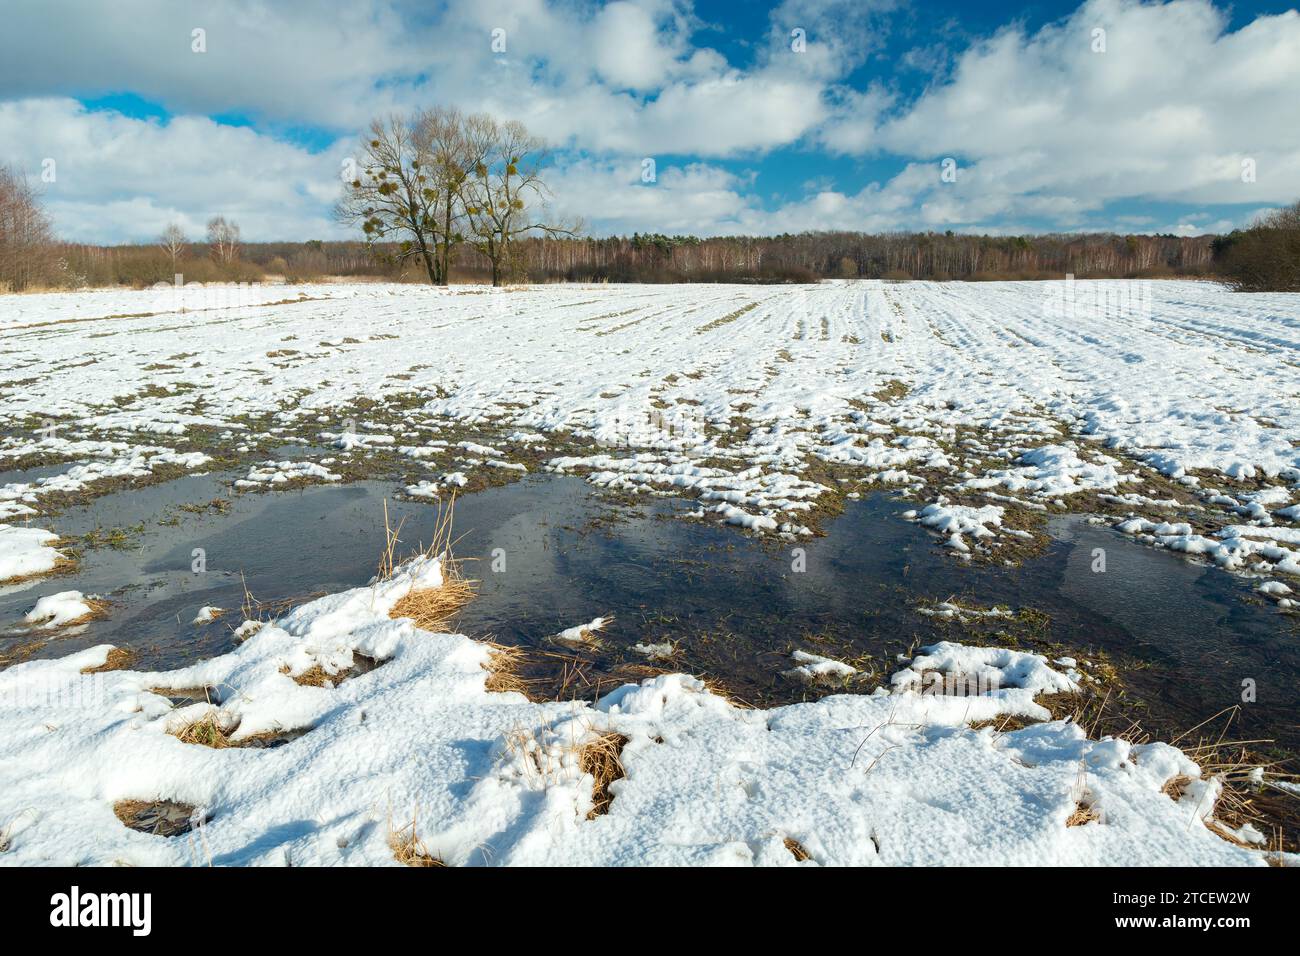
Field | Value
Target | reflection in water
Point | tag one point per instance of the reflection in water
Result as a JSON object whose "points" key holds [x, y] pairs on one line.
{"points": [[734, 604]]}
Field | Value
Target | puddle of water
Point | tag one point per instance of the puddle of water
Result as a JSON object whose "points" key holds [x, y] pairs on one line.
{"points": [[548, 556], [26, 476]]}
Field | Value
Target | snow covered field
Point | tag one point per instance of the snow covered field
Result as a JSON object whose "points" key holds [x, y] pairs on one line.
{"points": [[893, 778], [991, 404], [1170, 411]]}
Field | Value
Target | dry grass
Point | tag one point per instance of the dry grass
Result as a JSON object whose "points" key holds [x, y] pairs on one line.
{"points": [[723, 320], [1245, 796], [564, 676], [98, 611], [634, 672], [502, 668], [602, 758], [1005, 723], [21, 652], [431, 609], [797, 849], [318, 676], [117, 660], [208, 732], [719, 688], [408, 849], [1082, 814], [544, 763], [128, 810], [1175, 787], [434, 609]]}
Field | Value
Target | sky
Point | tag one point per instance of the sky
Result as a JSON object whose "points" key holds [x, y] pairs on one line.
{"points": [[870, 115]]}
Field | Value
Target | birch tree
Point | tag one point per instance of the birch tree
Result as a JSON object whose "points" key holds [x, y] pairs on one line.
{"points": [[223, 240], [26, 236], [173, 242]]}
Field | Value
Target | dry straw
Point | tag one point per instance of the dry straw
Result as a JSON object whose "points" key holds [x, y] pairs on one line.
{"points": [[431, 609]]}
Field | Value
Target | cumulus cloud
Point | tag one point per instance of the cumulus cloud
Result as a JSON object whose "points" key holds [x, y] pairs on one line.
{"points": [[694, 198], [304, 63], [1170, 110], [1043, 129], [118, 178]]}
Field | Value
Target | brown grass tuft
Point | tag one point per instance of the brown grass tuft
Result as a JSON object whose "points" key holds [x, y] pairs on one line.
{"points": [[502, 667], [408, 849], [1004, 723], [1175, 787], [21, 652], [208, 732], [719, 688], [602, 758], [117, 660], [98, 611], [431, 609], [1082, 815], [318, 676], [797, 849]]}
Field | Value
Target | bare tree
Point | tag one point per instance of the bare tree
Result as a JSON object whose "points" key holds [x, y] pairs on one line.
{"points": [[446, 158], [26, 236], [392, 196], [173, 242], [1265, 257], [435, 180], [504, 195], [223, 240]]}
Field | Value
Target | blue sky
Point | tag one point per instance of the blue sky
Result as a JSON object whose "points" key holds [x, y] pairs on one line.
{"points": [[1184, 120]]}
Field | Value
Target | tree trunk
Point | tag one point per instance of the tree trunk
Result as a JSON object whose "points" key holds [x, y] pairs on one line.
{"points": [[446, 244]]}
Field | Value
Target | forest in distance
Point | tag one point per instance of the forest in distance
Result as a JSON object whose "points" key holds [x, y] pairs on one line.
{"points": [[806, 257]]}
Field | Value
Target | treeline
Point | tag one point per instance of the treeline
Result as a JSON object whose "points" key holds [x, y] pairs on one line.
{"points": [[853, 255], [1265, 257], [139, 266], [25, 234], [512, 243], [807, 257]]}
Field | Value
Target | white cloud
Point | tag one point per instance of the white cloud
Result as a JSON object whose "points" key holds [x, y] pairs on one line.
{"points": [[629, 49], [1169, 110], [696, 198], [1045, 129], [118, 178], [623, 76], [304, 63]]}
